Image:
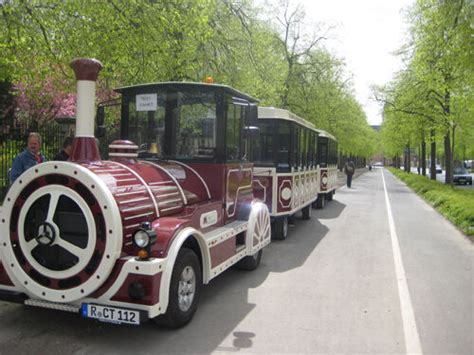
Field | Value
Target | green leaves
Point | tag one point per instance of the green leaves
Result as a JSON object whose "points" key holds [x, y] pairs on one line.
{"points": [[148, 41], [435, 91]]}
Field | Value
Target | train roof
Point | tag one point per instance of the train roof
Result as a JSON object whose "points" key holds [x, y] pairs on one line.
{"points": [[282, 114], [181, 85], [323, 133]]}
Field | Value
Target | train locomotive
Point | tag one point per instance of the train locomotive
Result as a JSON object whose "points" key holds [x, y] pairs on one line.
{"points": [[134, 237]]}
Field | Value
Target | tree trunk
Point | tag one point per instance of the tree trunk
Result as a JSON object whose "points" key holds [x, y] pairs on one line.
{"points": [[423, 156], [409, 159], [405, 160], [448, 153], [433, 156], [448, 159]]}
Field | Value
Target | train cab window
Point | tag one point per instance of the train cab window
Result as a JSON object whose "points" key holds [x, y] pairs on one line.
{"points": [[196, 131], [176, 125], [147, 127]]}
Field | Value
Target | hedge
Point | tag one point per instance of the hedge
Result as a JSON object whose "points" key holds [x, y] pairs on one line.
{"points": [[455, 204]]}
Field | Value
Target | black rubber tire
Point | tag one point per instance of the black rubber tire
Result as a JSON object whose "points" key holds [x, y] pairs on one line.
{"points": [[330, 195], [174, 316], [250, 262], [280, 228], [306, 212], [321, 201]]}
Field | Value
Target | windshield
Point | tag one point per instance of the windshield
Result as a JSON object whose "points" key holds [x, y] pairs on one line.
{"points": [[460, 171], [175, 125]]}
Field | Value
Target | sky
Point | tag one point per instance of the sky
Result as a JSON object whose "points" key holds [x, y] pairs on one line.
{"points": [[366, 34]]}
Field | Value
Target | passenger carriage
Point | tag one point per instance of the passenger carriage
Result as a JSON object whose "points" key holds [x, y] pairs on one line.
{"points": [[287, 176], [327, 171], [134, 237]]}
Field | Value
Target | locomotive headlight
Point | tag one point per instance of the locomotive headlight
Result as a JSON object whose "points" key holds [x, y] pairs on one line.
{"points": [[141, 238]]}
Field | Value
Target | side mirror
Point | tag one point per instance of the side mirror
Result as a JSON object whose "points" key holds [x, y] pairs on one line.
{"points": [[251, 115], [100, 117]]}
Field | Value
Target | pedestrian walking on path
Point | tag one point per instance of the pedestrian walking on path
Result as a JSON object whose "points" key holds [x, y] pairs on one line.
{"points": [[349, 169]]}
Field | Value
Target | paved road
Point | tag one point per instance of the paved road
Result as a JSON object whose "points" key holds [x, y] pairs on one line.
{"points": [[336, 285]]}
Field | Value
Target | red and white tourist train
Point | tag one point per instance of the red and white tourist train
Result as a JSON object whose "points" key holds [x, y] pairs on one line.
{"points": [[134, 237], [327, 171], [295, 166]]}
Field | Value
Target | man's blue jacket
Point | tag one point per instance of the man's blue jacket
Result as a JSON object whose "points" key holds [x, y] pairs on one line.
{"points": [[23, 162]]}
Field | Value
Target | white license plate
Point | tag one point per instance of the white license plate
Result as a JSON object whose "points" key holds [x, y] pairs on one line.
{"points": [[110, 314]]}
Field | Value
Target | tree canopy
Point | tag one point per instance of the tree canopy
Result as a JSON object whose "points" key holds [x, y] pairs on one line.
{"points": [[271, 57], [435, 92]]}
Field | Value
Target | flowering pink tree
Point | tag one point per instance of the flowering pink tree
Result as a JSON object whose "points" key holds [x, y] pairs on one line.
{"points": [[49, 99], [44, 101]]}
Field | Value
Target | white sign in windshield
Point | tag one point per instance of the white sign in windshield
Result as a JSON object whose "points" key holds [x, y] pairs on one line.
{"points": [[147, 102]]}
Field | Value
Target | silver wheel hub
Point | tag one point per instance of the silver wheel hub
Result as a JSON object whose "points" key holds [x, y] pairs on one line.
{"points": [[46, 234], [186, 288]]}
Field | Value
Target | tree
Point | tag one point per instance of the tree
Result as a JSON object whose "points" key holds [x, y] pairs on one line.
{"points": [[436, 87]]}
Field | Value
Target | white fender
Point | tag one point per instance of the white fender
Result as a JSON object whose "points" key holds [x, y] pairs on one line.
{"points": [[171, 259], [259, 222]]}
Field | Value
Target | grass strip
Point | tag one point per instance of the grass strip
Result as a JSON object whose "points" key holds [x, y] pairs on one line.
{"points": [[455, 204]]}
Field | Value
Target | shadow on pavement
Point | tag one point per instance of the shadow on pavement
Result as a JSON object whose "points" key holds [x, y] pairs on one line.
{"points": [[223, 305]]}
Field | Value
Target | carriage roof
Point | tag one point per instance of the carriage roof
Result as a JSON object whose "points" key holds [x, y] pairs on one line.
{"points": [[181, 86]]}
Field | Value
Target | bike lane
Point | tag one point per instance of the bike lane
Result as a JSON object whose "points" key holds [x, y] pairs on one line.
{"points": [[438, 263]]}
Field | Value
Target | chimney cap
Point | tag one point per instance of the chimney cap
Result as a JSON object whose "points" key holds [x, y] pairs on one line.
{"points": [[86, 68]]}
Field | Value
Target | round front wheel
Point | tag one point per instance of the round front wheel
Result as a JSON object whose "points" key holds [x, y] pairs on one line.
{"points": [[321, 201], [250, 262], [184, 290], [280, 228]]}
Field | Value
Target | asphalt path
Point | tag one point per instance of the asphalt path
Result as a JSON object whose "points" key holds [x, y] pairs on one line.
{"points": [[362, 276]]}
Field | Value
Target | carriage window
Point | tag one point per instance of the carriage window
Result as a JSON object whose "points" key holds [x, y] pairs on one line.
{"points": [[311, 149], [303, 147], [283, 145], [233, 131], [262, 148], [295, 149], [322, 151]]}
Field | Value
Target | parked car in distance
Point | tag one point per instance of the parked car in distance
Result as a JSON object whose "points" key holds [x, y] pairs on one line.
{"points": [[461, 176], [438, 169], [377, 165]]}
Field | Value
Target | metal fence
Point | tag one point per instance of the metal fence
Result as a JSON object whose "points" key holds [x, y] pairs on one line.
{"points": [[13, 141]]}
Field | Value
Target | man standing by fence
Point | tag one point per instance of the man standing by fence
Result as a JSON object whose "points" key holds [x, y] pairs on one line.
{"points": [[28, 158]]}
